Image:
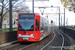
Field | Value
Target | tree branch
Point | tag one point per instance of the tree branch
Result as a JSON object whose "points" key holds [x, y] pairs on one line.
{"points": [[8, 10], [2, 7], [0, 14], [6, 3], [5, 13], [12, 3], [20, 2]]}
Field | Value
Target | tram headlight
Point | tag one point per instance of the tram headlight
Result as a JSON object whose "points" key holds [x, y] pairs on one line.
{"points": [[32, 34], [19, 34]]}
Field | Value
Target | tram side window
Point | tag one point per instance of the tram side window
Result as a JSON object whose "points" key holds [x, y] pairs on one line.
{"points": [[38, 25], [41, 26]]}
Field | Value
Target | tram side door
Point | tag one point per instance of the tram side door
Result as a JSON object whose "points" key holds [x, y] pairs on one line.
{"points": [[37, 29]]}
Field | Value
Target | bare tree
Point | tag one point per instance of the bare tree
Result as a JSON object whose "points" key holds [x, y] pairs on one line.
{"points": [[4, 8], [21, 7]]}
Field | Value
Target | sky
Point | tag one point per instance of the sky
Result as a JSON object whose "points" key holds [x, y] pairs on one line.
{"points": [[69, 16]]}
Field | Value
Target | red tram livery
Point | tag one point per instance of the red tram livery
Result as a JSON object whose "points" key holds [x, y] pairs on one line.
{"points": [[32, 27]]}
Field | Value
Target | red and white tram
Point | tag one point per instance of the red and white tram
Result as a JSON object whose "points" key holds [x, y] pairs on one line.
{"points": [[32, 27]]}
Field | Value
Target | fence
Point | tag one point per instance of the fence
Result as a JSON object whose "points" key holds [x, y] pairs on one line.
{"points": [[69, 31], [7, 36]]}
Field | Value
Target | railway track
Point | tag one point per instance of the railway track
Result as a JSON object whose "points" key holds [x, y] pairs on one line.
{"points": [[41, 45], [50, 41], [16, 46], [58, 38], [62, 38], [30, 46]]}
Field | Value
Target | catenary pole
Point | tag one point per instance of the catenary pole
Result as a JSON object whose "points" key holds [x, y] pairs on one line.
{"points": [[32, 6], [64, 20], [10, 14], [59, 17]]}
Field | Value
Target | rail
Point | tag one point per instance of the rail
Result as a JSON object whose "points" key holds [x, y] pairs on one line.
{"points": [[62, 38], [50, 41]]}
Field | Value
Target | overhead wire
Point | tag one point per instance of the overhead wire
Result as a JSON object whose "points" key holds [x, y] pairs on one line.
{"points": [[44, 4], [40, 9], [43, 8]]}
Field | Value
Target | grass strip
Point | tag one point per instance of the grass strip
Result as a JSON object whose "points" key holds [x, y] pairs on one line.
{"points": [[7, 30]]}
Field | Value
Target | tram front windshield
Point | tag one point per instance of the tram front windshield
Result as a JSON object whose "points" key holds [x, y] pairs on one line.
{"points": [[26, 22]]}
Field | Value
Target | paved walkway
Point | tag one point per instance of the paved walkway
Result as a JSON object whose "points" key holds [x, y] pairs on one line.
{"points": [[70, 38], [8, 43]]}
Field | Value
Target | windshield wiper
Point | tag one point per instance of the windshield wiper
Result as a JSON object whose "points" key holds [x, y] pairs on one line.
{"points": [[24, 31]]}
